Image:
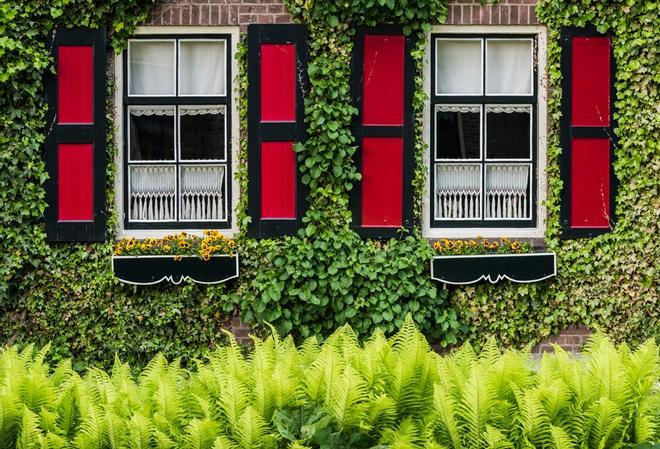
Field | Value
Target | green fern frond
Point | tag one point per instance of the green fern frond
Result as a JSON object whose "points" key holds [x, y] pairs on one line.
{"points": [[604, 424], [642, 367], [476, 402], [35, 388], [53, 441], [115, 431], [68, 409], [200, 434], [346, 394], [163, 441], [169, 401], [560, 439], [406, 436], [91, 432], [30, 433], [10, 417], [380, 413], [447, 427], [495, 439], [223, 442], [140, 432], [234, 397], [251, 430], [62, 373]]}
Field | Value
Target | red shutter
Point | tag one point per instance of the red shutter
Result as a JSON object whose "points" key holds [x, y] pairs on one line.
{"points": [[75, 141], [277, 75], [587, 133], [382, 90]]}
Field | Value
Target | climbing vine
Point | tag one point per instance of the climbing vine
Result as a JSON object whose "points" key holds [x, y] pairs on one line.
{"points": [[326, 275]]}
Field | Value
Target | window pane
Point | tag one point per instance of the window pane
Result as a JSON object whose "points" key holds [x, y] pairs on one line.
{"points": [[458, 66], [202, 132], [457, 132], [507, 192], [508, 132], [458, 192], [202, 193], [152, 193], [509, 67], [151, 68], [202, 68], [151, 134]]}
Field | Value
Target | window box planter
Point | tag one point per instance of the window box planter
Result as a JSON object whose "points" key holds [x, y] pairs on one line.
{"points": [[149, 270], [469, 269]]}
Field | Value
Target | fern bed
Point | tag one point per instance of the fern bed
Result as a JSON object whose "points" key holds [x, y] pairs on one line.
{"points": [[385, 393]]}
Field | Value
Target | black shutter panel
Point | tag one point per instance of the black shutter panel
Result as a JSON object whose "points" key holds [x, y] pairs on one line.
{"points": [[75, 137], [277, 78]]}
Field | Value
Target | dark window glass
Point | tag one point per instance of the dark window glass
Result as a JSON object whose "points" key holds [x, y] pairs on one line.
{"points": [[202, 135], [152, 137], [457, 135], [507, 133]]}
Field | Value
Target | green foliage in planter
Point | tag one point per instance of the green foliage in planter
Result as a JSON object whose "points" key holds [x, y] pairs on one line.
{"points": [[395, 394]]}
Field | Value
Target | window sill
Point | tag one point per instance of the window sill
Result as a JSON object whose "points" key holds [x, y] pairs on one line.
{"points": [[150, 270], [469, 269]]}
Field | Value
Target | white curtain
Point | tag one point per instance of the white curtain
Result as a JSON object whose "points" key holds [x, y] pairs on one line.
{"points": [[152, 193], [151, 68], [202, 193], [507, 189], [509, 66], [202, 68], [458, 192], [458, 64]]}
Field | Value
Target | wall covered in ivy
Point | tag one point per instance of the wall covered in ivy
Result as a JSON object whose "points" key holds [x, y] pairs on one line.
{"points": [[326, 275]]}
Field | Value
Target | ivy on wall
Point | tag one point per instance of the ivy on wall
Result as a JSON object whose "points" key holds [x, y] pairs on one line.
{"points": [[326, 275]]}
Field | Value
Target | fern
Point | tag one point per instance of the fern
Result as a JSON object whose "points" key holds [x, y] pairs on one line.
{"points": [[200, 434], [30, 433], [477, 399], [560, 439]]}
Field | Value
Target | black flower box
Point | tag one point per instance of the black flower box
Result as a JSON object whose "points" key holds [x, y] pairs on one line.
{"points": [[149, 270], [469, 269]]}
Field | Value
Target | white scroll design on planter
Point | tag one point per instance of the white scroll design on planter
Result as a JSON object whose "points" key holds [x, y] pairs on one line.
{"points": [[507, 192], [152, 193], [458, 189], [202, 196]]}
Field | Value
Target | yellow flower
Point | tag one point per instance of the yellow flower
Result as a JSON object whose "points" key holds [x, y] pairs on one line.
{"points": [[178, 258], [166, 247]]}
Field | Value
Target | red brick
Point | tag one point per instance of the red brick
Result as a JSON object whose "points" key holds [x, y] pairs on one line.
{"points": [[504, 15], [475, 14], [253, 9], [495, 15], [185, 15], [484, 15], [523, 15], [283, 18], [275, 9], [264, 18], [532, 15], [214, 14], [513, 15]]}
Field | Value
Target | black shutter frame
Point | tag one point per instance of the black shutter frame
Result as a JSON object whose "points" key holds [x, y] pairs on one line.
{"points": [[94, 134], [568, 132], [407, 132], [274, 131]]}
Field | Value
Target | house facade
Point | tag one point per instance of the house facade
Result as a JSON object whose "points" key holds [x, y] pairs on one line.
{"points": [[473, 169]]}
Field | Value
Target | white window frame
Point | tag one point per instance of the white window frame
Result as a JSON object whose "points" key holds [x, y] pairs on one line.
{"points": [[234, 144], [538, 230]]}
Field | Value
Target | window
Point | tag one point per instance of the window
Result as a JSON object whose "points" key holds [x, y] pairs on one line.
{"points": [[483, 131], [177, 132]]}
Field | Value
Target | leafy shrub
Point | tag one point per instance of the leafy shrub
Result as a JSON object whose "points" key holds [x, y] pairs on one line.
{"points": [[393, 393]]}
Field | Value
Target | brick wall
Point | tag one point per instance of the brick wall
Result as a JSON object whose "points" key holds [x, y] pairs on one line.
{"points": [[506, 12], [243, 12], [218, 12], [570, 339]]}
